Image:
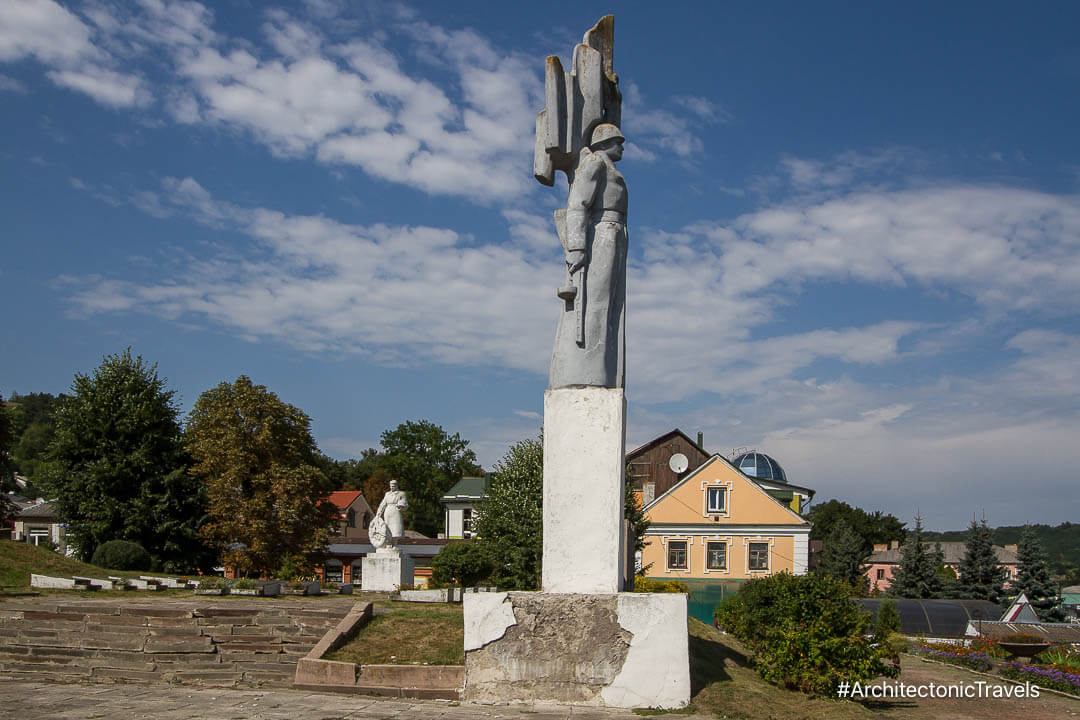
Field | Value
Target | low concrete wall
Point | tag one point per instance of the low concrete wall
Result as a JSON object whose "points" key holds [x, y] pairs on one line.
{"points": [[418, 681]]}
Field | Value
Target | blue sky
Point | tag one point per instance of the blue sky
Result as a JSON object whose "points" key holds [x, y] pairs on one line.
{"points": [[855, 228]]}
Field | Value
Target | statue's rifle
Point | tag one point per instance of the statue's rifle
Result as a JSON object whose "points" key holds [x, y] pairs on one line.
{"points": [[571, 292]]}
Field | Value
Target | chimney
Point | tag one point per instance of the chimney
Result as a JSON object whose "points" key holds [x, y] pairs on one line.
{"points": [[881, 547], [648, 493], [701, 440], [894, 545]]}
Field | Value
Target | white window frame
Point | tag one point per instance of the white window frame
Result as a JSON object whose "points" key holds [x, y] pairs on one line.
{"points": [[726, 542], [768, 554], [667, 557], [728, 488]]}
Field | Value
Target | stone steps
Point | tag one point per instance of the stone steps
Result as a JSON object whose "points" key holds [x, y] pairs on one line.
{"points": [[250, 645]]}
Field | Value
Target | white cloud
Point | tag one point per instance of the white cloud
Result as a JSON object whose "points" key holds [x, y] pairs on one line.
{"points": [[107, 87], [44, 30]]}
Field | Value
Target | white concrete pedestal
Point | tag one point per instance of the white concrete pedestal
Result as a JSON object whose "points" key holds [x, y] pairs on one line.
{"points": [[387, 570], [627, 650], [584, 467]]}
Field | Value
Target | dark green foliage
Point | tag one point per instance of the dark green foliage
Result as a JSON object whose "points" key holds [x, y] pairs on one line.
{"points": [[888, 619], [917, 575], [510, 522], [980, 577], [116, 466], [464, 563], [844, 557], [804, 632], [1061, 542], [34, 425], [872, 527], [121, 555], [1033, 578], [426, 462], [7, 509], [634, 514]]}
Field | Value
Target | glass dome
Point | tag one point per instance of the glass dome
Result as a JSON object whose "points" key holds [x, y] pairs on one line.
{"points": [[760, 465]]}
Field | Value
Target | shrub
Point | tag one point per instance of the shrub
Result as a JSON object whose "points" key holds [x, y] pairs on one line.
{"points": [[464, 563], [1023, 638], [121, 555], [245, 584], [644, 584], [888, 619], [212, 582], [1060, 658], [804, 632]]}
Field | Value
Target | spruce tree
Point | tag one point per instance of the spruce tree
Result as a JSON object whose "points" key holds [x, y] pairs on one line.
{"points": [[1033, 578], [844, 556], [917, 575], [981, 577]]}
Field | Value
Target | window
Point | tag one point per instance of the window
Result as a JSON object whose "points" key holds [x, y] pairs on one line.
{"points": [[39, 536], [716, 556], [367, 520], [676, 555], [332, 571], [466, 523], [880, 574], [716, 499], [759, 556], [351, 518]]}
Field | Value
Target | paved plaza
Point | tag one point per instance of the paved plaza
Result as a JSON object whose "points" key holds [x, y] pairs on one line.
{"points": [[23, 699]]}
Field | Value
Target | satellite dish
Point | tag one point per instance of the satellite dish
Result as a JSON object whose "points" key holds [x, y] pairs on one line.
{"points": [[678, 463]]}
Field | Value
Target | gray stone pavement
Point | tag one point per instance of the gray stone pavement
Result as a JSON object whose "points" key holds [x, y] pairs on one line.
{"points": [[25, 699]]}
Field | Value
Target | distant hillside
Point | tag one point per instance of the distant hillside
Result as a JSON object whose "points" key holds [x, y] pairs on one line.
{"points": [[1062, 543]]}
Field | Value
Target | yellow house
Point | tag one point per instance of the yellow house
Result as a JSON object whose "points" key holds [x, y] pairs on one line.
{"points": [[718, 525]]}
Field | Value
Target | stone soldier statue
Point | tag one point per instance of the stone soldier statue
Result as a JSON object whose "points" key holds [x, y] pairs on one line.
{"points": [[590, 343], [578, 133]]}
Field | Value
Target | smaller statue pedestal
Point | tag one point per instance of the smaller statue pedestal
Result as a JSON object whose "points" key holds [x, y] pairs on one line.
{"points": [[387, 570]]}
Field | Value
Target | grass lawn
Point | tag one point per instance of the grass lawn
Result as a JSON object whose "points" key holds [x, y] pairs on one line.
{"points": [[19, 559], [407, 633]]}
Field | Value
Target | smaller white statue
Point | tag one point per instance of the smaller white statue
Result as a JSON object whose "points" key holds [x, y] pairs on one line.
{"points": [[389, 523]]}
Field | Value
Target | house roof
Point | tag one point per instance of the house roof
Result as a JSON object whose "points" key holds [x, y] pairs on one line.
{"points": [[466, 489], [753, 482], [954, 553], [42, 511], [662, 439], [344, 498]]}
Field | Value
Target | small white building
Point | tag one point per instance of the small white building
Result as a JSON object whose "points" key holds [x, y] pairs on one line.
{"points": [[461, 502], [39, 525]]}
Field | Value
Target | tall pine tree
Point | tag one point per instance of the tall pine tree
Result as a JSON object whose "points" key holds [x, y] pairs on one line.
{"points": [[917, 576], [1033, 578], [844, 556], [980, 576]]}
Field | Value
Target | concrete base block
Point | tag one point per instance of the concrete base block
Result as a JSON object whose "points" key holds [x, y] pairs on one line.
{"points": [[388, 569], [627, 650], [584, 465]]}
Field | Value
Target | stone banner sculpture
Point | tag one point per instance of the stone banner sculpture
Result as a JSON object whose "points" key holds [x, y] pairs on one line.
{"points": [[580, 640]]}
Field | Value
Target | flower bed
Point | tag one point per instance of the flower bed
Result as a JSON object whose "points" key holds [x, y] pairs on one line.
{"points": [[955, 654], [1044, 676]]}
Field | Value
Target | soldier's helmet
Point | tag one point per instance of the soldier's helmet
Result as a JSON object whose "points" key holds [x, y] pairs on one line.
{"points": [[605, 131]]}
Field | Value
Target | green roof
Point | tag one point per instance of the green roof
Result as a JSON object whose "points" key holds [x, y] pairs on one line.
{"points": [[468, 488]]}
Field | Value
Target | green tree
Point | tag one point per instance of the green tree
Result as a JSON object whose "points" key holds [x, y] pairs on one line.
{"points": [[917, 575], [980, 576], [804, 632], [872, 528], [510, 522], [257, 458], [7, 508], [463, 563], [634, 513], [34, 427], [426, 462], [844, 557], [888, 619], [1033, 578], [117, 466]]}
